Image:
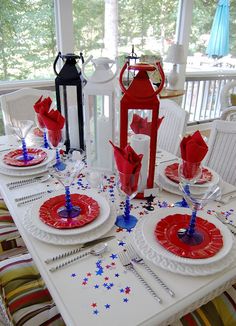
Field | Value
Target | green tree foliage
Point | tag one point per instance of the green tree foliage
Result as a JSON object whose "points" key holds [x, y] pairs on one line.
{"points": [[27, 39], [27, 31]]}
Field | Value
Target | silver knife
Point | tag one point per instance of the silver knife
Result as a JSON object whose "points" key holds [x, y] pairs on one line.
{"points": [[75, 251]]}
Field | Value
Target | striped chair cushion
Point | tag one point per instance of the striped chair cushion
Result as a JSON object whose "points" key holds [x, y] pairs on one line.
{"points": [[221, 311], [11, 242], [26, 297]]}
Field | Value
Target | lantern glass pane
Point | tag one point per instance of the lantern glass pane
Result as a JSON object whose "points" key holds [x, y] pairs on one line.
{"points": [[100, 126], [139, 121]]}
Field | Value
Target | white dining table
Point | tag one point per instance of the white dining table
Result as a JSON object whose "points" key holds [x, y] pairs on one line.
{"points": [[99, 290]]}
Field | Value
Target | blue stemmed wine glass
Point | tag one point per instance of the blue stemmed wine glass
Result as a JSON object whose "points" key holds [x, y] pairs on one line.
{"points": [[40, 124], [197, 198], [127, 185], [56, 142], [69, 168], [21, 129]]}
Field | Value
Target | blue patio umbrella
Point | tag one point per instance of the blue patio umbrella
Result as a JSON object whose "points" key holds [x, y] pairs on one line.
{"points": [[218, 45]]}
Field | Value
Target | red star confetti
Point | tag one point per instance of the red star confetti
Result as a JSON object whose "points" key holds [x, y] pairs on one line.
{"points": [[127, 290], [94, 305]]}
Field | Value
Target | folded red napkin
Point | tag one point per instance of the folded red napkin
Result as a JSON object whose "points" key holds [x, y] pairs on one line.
{"points": [[193, 150], [41, 106], [54, 122], [140, 125], [128, 164]]}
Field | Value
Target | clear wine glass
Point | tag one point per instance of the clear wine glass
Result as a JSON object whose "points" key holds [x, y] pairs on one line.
{"points": [[189, 174], [196, 199], [69, 168], [127, 185], [56, 142], [21, 129], [95, 179], [41, 126]]}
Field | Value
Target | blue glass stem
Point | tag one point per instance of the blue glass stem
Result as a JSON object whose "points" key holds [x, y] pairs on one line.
{"points": [[58, 158], [69, 206], [127, 209], [45, 141], [24, 150], [191, 228]]}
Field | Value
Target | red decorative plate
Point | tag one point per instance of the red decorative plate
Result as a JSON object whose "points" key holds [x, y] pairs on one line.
{"points": [[166, 234], [11, 158], [89, 211], [37, 132], [171, 171]]}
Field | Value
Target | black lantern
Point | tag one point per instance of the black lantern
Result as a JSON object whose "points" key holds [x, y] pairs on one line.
{"points": [[70, 78], [132, 60]]}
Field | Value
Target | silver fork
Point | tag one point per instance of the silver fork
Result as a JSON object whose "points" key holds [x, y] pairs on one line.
{"points": [[129, 266], [139, 260]]}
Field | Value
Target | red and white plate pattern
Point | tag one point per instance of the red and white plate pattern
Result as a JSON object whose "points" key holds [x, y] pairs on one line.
{"points": [[171, 171], [12, 158], [48, 212]]}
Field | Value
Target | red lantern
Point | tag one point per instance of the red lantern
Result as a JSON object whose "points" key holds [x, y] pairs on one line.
{"points": [[140, 98]]}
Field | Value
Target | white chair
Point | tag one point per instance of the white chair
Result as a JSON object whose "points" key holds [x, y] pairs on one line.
{"points": [[173, 126], [229, 114], [19, 105], [221, 156], [226, 90]]}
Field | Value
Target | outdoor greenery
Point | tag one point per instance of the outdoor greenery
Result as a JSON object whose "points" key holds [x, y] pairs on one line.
{"points": [[28, 42]]}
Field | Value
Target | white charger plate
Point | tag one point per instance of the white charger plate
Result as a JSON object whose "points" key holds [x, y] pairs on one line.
{"points": [[150, 249], [50, 156], [199, 187], [56, 239], [102, 218]]}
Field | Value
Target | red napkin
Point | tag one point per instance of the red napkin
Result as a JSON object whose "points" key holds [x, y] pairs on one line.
{"points": [[193, 150], [40, 107], [128, 164], [140, 125], [54, 122]]}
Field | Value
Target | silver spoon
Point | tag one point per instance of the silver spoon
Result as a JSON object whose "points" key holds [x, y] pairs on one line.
{"points": [[97, 250]]}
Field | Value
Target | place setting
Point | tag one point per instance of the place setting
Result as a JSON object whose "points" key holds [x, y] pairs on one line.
{"points": [[186, 239], [24, 161], [66, 217], [167, 175]]}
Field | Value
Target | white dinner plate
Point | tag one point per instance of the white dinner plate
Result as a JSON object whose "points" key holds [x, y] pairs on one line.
{"points": [[150, 249], [215, 178], [50, 156], [28, 223], [103, 214]]}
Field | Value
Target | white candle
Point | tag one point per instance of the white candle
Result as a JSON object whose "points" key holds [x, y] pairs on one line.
{"points": [[141, 145], [73, 127], [104, 148]]}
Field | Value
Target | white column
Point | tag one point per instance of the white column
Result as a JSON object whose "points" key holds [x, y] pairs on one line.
{"points": [[182, 34], [111, 28], [64, 26]]}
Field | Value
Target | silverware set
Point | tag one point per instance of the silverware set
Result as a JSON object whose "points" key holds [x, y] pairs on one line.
{"points": [[128, 264], [25, 182], [21, 201], [139, 260], [95, 247]]}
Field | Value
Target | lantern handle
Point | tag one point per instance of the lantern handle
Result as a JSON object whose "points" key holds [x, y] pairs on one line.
{"points": [[162, 78], [83, 66], [124, 90], [102, 81], [55, 62]]}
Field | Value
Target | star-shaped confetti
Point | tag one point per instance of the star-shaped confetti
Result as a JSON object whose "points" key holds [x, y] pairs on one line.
{"points": [[94, 305], [107, 306], [113, 256], [121, 243], [125, 300], [96, 312]]}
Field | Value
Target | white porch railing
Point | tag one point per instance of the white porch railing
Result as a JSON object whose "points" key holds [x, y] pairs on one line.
{"points": [[202, 95], [201, 98]]}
